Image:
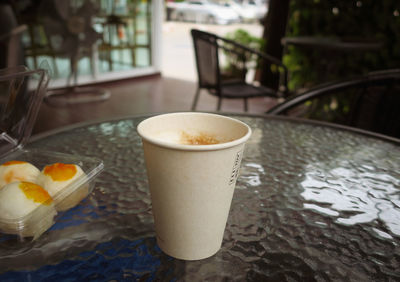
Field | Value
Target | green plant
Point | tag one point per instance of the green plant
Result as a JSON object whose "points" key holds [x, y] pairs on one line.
{"points": [[234, 66], [349, 20], [243, 37]]}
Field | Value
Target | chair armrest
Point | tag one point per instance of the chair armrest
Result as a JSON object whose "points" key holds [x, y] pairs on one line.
{"points": [[316, 91]]}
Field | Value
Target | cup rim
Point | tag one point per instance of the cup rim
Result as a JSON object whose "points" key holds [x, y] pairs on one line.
{"points": [[187, 147]]}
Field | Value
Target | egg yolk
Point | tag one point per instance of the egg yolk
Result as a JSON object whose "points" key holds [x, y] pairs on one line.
{"points": [[14, 162], [60, 172], [11, 177], [35, 192]]}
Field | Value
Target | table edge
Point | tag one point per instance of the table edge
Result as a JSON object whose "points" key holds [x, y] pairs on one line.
{"points": [[355, 130]]}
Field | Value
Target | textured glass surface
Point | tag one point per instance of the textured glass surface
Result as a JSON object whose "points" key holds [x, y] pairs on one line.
{"points": [[312, 203]]}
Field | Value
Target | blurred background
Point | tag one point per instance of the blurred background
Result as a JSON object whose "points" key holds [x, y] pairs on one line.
{"points": [[95, 42], [105, 40]]}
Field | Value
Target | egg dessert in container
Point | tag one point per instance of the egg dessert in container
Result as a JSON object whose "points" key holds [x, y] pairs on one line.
{"points": [[57, 177], [67, 179], [27, 209]]}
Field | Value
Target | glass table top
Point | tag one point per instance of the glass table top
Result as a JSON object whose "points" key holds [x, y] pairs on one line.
{"points": [[312, 203]]}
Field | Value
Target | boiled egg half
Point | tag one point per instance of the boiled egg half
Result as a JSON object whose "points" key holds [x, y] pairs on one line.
{"points": [[19, 209], [58, 178], [12, 171]]}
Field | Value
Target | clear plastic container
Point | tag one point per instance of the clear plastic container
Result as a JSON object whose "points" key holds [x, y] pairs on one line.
{"points": [[21, 94]]}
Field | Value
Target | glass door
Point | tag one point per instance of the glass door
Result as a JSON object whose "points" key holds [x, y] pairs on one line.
{"points": [[91, 41]]}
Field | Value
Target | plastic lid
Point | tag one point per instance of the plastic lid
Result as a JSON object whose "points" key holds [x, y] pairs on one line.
{"points": [[21, 94]]}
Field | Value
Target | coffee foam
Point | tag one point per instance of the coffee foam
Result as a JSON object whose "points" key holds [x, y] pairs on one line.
{"points": [[169, 136], [186, 138]]}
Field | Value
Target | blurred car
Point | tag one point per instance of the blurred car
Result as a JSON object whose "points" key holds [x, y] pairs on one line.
{"points": [[201, 11], [250, 10], [246, 13], [261, 7]]}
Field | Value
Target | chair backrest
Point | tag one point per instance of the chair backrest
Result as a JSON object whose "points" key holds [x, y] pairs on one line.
{"points": [[221, 61], [370, 102], [207, 59]]}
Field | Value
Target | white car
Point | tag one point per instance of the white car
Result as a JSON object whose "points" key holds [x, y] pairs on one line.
{"points": [[250, 10], [261, 6], [246, 14], [201, 11]]}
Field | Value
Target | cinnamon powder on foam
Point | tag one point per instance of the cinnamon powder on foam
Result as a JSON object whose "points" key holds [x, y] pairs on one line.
{"points": [[201, 139]]}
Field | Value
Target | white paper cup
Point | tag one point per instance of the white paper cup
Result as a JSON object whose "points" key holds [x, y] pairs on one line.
{"points": [[191, 186]]}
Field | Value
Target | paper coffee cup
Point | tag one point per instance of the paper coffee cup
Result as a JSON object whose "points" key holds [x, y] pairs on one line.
{"points": [[192, 183]]}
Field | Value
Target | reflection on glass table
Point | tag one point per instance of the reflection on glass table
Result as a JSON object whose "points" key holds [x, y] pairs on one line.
{"points": [[312, 203]]}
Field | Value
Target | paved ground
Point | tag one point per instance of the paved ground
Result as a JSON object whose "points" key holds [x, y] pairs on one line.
{"points": [[177, 52]]}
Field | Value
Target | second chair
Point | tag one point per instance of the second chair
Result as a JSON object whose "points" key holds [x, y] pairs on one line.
{"points": [[369, 102], [209, 48]]}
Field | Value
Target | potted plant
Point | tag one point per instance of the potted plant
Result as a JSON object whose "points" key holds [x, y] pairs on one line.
{"points": [[238, 64]]}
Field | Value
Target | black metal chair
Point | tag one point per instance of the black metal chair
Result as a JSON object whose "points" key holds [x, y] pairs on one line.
{"points": [[211, 51], [370, 102]]}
